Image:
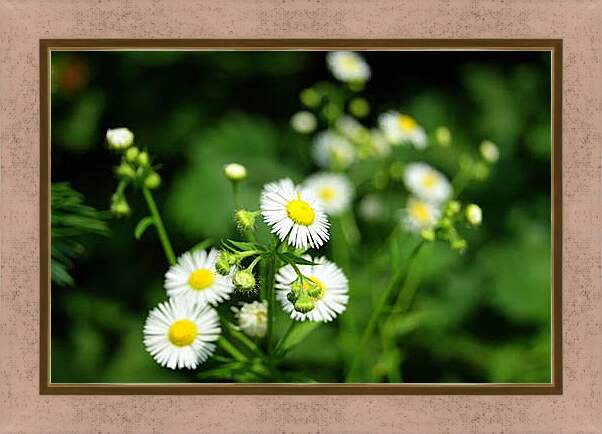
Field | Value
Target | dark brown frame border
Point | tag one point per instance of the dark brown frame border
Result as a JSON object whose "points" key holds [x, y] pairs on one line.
{"points": [[48, 388]]}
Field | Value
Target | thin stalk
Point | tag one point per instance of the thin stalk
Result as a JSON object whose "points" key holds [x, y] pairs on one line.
{"points": [[376, 312], [152, 206], [269, 292], [283, 339], [228, 347], [236, 195]]}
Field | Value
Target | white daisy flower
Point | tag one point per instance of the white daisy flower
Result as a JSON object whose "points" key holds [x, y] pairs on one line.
{"points": [[426, 182], [304, 122], [332, 190], [420, 214], [348, 66], [295, 214], [194, 276], [179, 334], [399, 128], [332, 285], [332, 150], [253, 318], [350, 128], [119, 138]]}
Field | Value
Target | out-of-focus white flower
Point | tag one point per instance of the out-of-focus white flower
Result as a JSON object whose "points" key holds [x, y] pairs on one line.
{"points": [[332, 190], [235, 171], [427, 183], [253, 318], [294, 215], [474, 214], [489, 151], [348, 66], [304, 122], [420, 214], [195, 277], [331, 150], [371, 208], [329, 282], [119, 139], [180, 334], [399, 128], [379, 143], [349, 127]]}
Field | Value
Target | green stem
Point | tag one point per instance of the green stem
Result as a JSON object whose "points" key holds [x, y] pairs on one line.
{"points": [[283, 339], [152, 206], [235, 195], [269, 292], [376, 312], [227, 346]]}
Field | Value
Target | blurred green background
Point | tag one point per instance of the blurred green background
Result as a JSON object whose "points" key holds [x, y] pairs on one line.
{"points": [[479, 317]]}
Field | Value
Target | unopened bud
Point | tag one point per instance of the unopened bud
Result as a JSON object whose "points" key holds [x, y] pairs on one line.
{"points": [[452, 208], [131, 154], [152, 181], [235, 172], [428, 235], [443, 136], [126, 171], [120, 207], [244, 280], [143, 159], [304, 304], [245, 220], [489, 151], [474, 214], [119, 139]]}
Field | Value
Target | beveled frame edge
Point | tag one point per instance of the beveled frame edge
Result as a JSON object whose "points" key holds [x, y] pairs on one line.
{"points": [[553, 388]]}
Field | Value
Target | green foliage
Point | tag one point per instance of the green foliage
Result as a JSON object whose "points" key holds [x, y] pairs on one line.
{"points": [[70, 221], [483, 316]]}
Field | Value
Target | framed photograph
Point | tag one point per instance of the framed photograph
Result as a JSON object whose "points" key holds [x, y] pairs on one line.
{"points": [[301, 216], [292, 217]]}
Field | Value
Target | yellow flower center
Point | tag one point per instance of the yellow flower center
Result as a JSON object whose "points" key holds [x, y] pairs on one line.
{"points": [[430, 180], [260, 317], [318, 283], [350, 63], [420, 211], [326, 194], [201, 278], [182, 332], [406, 123], [300, 212]]}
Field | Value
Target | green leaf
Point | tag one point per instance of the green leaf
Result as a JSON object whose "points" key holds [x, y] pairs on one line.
{"points": [[244, 246], [297, 335], [142, 226], [291, 258]]}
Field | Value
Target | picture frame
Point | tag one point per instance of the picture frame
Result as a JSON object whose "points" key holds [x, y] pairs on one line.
{"points": [[572, 405], [553, 46]]}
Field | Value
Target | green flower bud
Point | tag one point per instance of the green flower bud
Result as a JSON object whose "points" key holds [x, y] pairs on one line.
{"points": [[245, 220], [452, 208], [331, 111], [310, 97], [119, 139], [131, 154], [143, 159], [474, 214], [244, 280], [152, 181], [313, 289], [359, 107], [126, 171], [292, 297], [304, 304], [428, 235], [224, 263], [120, 207], [459, 245], [443, 136]]}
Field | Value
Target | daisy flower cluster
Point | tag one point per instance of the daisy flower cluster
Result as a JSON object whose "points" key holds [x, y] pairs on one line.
{"points": [[255, 277]]}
